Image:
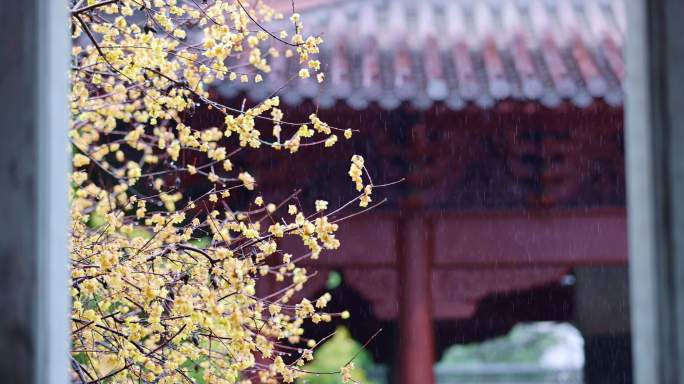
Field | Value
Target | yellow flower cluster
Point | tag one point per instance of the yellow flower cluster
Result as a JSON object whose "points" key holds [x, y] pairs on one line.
{"points": [[164, 277], [356, 170], [346, 372]]}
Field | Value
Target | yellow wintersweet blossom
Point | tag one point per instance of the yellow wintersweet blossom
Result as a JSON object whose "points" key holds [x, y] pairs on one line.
{"points": [[321, 205], [356, 171], [80, 160], [346, 373], [292, 209], [165, 260]]}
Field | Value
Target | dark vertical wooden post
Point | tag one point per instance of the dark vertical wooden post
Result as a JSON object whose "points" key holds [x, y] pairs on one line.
{"points": [[34, 315], [655, 175], [414, 248], [603, 320]]}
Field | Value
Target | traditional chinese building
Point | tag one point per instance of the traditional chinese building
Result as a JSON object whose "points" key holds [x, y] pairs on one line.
{"points": [[506, 120]]}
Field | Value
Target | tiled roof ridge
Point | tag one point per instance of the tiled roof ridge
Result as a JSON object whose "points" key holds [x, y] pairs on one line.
{"points": [[460, 52]]}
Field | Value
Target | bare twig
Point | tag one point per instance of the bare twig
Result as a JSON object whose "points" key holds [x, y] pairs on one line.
{"points": [[78, 11], [265, 29]]}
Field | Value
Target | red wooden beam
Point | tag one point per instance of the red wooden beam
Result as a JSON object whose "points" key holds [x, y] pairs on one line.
{"points": [[484, 239], [576, 237]]}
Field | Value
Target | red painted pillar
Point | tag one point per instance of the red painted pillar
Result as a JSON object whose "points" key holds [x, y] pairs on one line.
{"points": [[414, 250]]}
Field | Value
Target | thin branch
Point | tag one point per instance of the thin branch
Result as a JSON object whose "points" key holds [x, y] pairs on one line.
{"points": [[197, 250], [350, 360], [78, 11], [265, 29]]}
